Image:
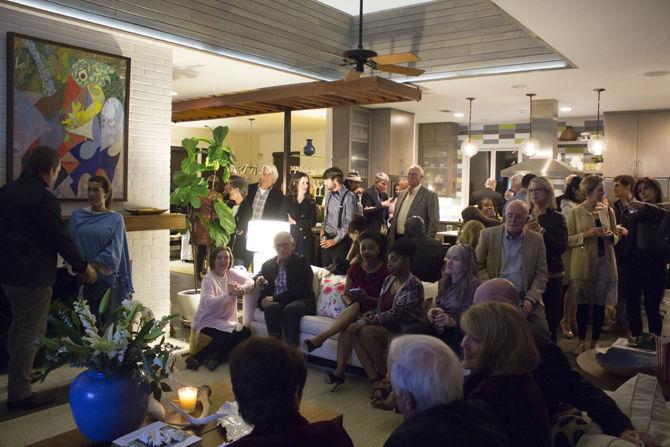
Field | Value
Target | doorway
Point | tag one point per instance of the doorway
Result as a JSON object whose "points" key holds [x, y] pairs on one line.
{"points": [[488, 163]]}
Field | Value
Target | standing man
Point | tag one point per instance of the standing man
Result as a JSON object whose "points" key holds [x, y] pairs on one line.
{"points": [[510, 252], [415, 201], [623, 251], [263, 202], [376, 203], [286, 290], [489, 192], [340, 205], [32, 234]]}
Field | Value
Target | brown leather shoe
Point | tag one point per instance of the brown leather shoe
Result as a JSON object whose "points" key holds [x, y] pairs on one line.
{"points": [[31, 402]]}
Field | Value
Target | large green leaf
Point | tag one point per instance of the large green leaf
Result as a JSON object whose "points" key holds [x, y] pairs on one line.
{"points": [[195, 201], [190, 144], [182, 179], [220, 133], [104, 302], [225, 215]]}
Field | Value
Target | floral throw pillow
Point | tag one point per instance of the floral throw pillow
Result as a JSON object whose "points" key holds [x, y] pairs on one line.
{"points": [[330, 302]]}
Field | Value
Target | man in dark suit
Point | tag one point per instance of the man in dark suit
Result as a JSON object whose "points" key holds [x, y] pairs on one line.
{"points": [[286, 290], [415, 201], [376, 202], [429, 255], [489, 192], [263, 202]]}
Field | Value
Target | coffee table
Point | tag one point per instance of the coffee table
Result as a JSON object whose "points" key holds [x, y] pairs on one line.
{"points": [[211, 435]]}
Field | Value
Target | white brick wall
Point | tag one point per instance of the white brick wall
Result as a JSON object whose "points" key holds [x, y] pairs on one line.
{"points": [[148, 138]]}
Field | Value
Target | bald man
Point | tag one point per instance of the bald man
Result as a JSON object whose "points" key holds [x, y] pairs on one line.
{"points": [[557, 380], [507, 251]]}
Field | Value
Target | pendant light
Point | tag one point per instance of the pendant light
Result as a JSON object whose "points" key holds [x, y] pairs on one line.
{"points": [[530, 145], [468, 146], [597, 143]]}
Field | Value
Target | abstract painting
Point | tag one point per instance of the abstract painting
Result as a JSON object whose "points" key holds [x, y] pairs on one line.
{"points": [[73, 100]]}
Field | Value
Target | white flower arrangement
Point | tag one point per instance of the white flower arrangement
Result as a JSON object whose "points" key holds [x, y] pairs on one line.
{"points": [[128, 342]]}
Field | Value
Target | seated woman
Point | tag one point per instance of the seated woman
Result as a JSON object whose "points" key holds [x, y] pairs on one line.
{"points": [[216, 315], [100, 235], [469, 234], [268, 379], [473, 213], [500, 353], [456, 292], [357, 225], [362, 284], [400, 306]]}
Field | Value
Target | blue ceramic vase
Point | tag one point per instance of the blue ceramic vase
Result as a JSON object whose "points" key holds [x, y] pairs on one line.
{"points": [[309, 148], [107, 407]]}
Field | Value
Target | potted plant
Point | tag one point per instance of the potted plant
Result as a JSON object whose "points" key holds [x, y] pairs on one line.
{"points": [[212, 156], [126, 360]]}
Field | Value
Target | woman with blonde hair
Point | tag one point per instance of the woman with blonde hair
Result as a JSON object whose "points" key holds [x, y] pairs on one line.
{"points": [[469, 234], [500, 353], [592, 235], [551, 224]]}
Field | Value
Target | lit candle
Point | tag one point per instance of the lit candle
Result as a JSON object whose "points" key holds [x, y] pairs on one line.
{"points": [[187, 398]]}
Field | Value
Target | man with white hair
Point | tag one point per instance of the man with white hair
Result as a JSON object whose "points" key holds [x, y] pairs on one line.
{"points": [[415, 201], [489, 192], [375, 203], [263, 202], [508, 251], [286, 292], [427, 379]]}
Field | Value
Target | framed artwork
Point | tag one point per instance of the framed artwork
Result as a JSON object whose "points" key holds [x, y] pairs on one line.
{"points": [[73, 100]]}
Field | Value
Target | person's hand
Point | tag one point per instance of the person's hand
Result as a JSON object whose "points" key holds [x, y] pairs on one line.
{"points": [[490, 213], [621, 230], [639, 438], [358, 294], [386, 203], [261, 281], [89, 275], [234, 290], [443, 320], [526, 307], [533, 225], [433, 312], [290, 220], [635, 205], [265, 302], [327, 243], [594, 232]]}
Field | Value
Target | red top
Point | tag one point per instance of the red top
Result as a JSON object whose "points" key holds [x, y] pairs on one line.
{"points": [[387, 301], [370, 282]]}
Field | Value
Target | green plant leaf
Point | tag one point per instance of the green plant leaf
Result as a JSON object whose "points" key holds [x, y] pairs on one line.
{"points": [[220, 133], [165, 387], [225, 215], [104, 302], [65, 330], [190, 144], [195, 201], [182, 179]]}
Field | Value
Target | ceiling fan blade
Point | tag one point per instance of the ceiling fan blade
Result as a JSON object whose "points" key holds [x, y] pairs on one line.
{"points": [[397, 58], [352, 75], [401, 70]]}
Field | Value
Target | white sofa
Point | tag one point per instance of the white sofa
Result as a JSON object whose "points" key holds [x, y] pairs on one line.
{"points": [[310, 325]]}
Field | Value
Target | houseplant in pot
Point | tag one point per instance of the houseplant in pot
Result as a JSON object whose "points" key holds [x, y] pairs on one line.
{"points": [[203, 155], [126, 360]]}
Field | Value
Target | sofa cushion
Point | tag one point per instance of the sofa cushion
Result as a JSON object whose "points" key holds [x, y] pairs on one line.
{"points": [[330, 303]]}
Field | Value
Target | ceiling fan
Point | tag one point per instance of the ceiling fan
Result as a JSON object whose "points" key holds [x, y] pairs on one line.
{"points": [[360, 57]]}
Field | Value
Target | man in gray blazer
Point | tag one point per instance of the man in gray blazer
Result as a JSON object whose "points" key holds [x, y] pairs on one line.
{"points": [[415, 201]]}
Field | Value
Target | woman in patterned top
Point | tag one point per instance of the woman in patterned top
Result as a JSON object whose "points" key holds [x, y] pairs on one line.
{"points": [[361, 292]]}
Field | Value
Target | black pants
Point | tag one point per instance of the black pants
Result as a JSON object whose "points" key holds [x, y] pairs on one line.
{"points": [[625, 270], [647, 275], [553, 305], [583, 321], [286, 318], [338, 250], [221, 344]]}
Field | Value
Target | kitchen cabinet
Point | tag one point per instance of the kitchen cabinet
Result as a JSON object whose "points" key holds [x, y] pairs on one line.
{"points": [[351, 140], [438, 156], [639, 143]]}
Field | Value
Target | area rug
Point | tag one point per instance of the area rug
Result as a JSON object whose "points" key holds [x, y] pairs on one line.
{"points": [[62, 397]]}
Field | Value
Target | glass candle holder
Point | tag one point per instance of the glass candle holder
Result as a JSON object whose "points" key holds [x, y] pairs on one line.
{"points": [[188, 396]]}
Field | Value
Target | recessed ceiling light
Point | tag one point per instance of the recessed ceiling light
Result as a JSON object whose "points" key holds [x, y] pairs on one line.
{"points": [[519, 86], [566, 109], [173, 93], [459, 115], [657, 73]]}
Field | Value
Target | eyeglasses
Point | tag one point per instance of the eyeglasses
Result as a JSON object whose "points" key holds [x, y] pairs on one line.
{"points": [[283, 245]]}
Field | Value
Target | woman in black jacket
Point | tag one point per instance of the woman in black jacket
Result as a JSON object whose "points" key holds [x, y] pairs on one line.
{"points": [[648, 266], [301, 210], [546, 220]]}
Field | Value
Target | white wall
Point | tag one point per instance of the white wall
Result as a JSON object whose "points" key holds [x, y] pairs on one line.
{"points": [[149, 133]]}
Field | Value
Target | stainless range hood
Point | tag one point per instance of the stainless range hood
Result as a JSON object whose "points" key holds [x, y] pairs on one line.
{"points": [[547, 167]]}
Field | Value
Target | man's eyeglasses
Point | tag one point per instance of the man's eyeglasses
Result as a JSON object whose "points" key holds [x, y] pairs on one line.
{"points": [[283, 245]]}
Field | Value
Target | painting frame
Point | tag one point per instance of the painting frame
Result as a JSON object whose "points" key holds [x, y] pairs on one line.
{"points": [[83, 149]]}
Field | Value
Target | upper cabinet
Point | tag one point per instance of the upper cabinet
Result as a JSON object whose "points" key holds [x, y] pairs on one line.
{"points": [[639, 143], [438, 155], [351, 140]]}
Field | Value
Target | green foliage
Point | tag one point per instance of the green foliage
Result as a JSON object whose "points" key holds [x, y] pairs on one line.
{"points": [[192, 186], [126, 343]]}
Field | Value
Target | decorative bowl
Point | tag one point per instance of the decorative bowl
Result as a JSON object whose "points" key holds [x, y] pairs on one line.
{"points": [[626, 362], [145, 211]]}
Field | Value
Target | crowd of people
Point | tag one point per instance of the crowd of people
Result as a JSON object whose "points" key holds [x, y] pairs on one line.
{"points": [[477, 366]]}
